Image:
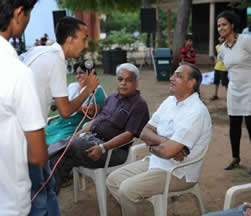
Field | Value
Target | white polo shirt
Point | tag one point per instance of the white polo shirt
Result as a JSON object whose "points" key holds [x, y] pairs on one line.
{"points": [[48, 66], [19, 111], [187, 122]]}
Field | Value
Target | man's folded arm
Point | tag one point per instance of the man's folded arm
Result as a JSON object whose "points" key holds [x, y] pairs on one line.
{"points": [[167, 150], [150, 137]]}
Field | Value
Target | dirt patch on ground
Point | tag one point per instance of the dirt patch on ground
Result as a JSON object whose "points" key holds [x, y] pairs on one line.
{"points": [[214, 181]]}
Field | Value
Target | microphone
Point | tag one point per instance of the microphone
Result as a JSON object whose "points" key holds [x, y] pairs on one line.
{"points": [[89, 65]]}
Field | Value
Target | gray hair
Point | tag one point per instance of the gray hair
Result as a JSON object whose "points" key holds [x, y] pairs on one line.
{"points": [[129, 67], [195, 74]]}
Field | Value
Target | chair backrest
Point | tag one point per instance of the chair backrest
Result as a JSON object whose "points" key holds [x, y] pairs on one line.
{"points": [[159, 201], [197, 159]]}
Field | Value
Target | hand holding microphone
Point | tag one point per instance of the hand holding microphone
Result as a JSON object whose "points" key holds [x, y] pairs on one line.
{"points": [[90, 66], [92, 81]]}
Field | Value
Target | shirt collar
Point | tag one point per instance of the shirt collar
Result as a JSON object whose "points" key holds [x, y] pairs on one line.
{"points": [[57, 46], [128, 98], [189, 100], [7, 47]]}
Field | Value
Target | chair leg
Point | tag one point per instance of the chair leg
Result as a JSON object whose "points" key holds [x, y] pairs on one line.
{"points": [[83, 182], [196, 192], [159, 205], [75, 184], [100, 182]]}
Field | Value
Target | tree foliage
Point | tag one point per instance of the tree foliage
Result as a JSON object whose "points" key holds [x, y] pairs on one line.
{"points": [[242, 4], [103, 6], [116, 21]]}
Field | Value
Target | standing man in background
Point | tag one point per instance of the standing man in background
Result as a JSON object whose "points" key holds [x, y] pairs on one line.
{"points": [[21, 122], [49, 71]]}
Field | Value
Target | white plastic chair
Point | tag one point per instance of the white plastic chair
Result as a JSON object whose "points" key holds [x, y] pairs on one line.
{"points": [[159, 201], [52, 118], [233, 192], [99, 177]]}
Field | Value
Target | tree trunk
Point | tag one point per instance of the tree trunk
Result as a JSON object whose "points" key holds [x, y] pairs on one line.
{"points": [[180, 30]]}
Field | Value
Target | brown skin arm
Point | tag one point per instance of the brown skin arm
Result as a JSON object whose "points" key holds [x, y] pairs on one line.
{"points": [[37, 150], [66, 107], [91, 109], [150, 137], [180, 155], [161, 146], [95, 152], [168, 149]]}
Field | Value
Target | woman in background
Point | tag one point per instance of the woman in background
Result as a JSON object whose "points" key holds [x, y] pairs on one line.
{"points": [[65, 127], [235, 52]]}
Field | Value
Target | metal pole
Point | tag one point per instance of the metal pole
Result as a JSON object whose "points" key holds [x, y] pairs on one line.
{"points": [[211, 29]]}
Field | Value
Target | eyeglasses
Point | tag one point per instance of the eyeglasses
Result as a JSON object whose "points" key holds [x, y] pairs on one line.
{"points": [[80, 73]]}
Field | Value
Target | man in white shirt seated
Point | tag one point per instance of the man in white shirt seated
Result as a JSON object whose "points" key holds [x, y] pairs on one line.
{"points": [[181, 125]]}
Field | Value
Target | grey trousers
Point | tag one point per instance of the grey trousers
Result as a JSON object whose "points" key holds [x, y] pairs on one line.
{"points": [[133, 183]]}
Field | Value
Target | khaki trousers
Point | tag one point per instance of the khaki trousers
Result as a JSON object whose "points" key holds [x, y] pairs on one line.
{"points": [[133, 183]]}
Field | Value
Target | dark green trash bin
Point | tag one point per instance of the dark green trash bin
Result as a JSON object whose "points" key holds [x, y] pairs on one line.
{"points": [[163, 63]]}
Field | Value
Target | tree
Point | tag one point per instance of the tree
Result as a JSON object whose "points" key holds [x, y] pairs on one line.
{"points": [[242, 4], [101, 5], [134, 5], [180, 29], [116, 21]]}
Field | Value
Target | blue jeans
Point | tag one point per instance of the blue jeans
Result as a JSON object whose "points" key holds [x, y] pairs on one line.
{"points": [[46, 203], [238, 211]]}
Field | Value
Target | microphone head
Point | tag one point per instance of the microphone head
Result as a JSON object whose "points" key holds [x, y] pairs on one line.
{"points": [[89, 64]]}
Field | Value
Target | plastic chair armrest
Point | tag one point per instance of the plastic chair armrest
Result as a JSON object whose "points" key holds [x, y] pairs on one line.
{"points": [[109, 152], [233, 192], [50, 119], [192, 161]]}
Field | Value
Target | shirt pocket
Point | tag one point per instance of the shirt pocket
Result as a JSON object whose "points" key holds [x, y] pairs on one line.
{"points": [[120, 118], [166, 128]]}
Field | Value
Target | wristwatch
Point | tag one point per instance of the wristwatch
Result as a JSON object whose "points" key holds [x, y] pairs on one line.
{"points": [[101, 146]]}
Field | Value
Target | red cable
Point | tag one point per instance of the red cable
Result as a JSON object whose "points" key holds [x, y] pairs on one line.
{"points": [[67, 146]]}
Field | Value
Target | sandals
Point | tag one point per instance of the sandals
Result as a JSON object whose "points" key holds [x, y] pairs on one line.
{"points": [[234, 164]]}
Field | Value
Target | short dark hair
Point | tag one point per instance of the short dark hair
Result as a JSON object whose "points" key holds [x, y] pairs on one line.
{"points": [[189, 37], [81, 65], [231, 17], [67, 26], [7, 8], [195, 74]]}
